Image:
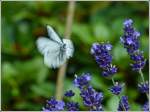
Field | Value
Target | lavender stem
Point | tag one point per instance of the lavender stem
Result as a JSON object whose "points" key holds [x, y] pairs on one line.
{"points": [[141, 73], [142, 76], [113, 81]]}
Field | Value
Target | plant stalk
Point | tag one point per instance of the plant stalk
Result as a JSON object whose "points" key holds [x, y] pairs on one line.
{"points": [[67, 34], [142, 77]]}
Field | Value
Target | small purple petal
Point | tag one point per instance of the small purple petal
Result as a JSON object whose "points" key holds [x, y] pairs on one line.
{"points": [[128, 22], [69, 93], [144, 87], [129, 41], [124, 104], [116, 89], [108, 47], [146, 107]]}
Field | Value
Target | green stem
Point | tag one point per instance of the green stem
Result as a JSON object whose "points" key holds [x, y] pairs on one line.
{"points": [[147, 95], [141, 73], [113, 81], [142, 76]]}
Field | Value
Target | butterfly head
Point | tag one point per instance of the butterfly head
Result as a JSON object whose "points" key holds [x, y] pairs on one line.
{"points": [[63, 47]]}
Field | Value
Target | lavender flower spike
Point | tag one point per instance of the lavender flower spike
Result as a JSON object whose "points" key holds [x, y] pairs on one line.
{"points": [[116, 89], [123, 104], [72, 106], [130, 40], [69, 93], [144, 87], [103, 58], [145, 107], [54, 105], [82, 81], [92, 99]]}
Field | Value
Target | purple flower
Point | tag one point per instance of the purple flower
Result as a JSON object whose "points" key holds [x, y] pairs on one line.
{"points": [[54, 105], [92, 99], [108, 47], [103, 58], [128, 23], [139, 61], [137, 56], [146, 107], [101, 54], [69, 93], [72, 106], [109, 71], [82, 81], [130, 41], [116, 89], [123, 104], [144, 87]]}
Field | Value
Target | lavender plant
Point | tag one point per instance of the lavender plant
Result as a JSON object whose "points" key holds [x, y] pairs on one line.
{"points": [[123, 104], [146, 107], [71, 106], [130, 40], [69, 93], [104, 60], [54, 105], [92, 99]]}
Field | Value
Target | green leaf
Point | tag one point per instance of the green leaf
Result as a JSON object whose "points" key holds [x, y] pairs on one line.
{"points": [[134, 106], [119, 54], [83, 33], [9, 70], [112, 103], [27, 106], [98, 82], [101, 32], [133, 93], [45, 89]]}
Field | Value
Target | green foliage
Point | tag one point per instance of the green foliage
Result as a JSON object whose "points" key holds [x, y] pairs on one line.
{"points": [[111, 105], [27, 83]]}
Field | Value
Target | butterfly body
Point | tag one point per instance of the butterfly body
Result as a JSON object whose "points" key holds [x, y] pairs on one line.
{"points": [[55, 50]]}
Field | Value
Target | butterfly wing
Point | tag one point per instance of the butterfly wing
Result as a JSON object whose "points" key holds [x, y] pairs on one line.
{"points": [[44, 45], [69, 48], [54, 60], [52, 34], [51, 52]]}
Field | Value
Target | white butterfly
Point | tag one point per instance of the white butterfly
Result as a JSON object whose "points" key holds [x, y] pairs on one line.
{"points": [[55, 50]]}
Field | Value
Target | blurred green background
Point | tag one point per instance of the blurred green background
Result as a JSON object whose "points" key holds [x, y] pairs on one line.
{"points": [[27, 83]]}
